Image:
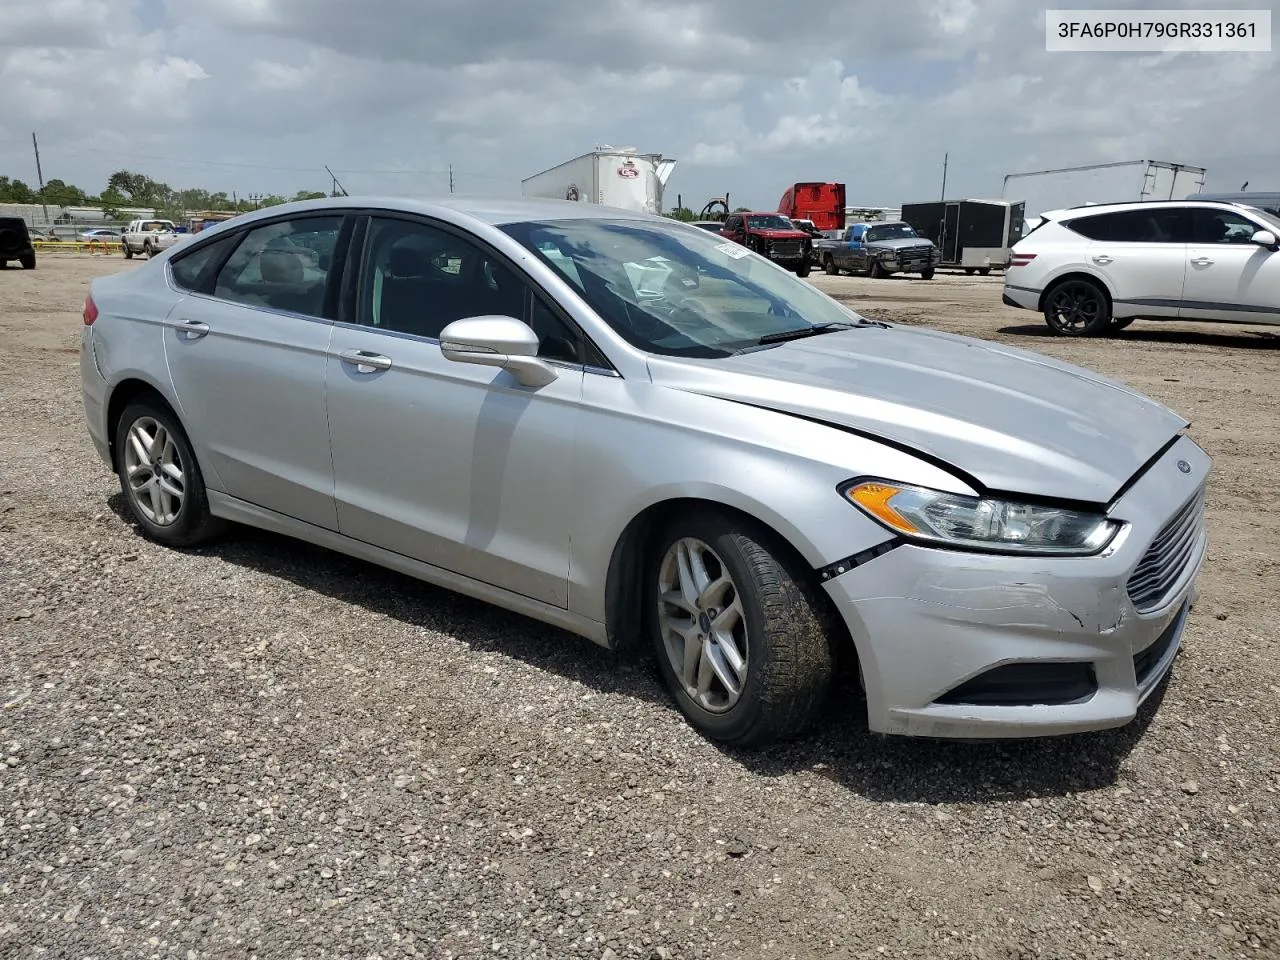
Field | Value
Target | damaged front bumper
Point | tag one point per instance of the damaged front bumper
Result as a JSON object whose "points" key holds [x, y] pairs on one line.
{"points": [[972, 645]]}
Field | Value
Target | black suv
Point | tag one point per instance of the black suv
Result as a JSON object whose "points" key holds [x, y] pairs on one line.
{"points": [[15, 243]]}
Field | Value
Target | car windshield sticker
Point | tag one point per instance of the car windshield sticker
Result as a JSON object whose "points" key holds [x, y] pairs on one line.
{"points": [[735, 250]]}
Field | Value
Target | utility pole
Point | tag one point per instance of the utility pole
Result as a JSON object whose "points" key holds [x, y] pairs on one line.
{"points": [[451, 178], [945, 157], [40, 177]]}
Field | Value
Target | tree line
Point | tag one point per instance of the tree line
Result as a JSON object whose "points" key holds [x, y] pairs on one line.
{"points": [[128, 189]]}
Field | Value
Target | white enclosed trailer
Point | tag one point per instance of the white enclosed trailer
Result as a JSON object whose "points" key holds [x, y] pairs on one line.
{"points": [[1044, 190], [614, 177]]}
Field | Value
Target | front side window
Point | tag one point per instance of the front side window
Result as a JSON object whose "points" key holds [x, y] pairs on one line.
{"points": [[418, 279], [1220, 226], [282, 266], [670, 290]]}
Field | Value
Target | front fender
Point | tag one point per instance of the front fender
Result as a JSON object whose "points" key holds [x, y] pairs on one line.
{"points": [[640, 445]]}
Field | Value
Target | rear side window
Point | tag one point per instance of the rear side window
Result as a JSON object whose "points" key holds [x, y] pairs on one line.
{"points": [[282, 266], [1162, 225], [191, 271]]}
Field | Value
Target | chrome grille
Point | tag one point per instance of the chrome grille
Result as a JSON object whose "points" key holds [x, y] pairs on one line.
{"points": [[1166, 559], [785, 248], [914, 256]]}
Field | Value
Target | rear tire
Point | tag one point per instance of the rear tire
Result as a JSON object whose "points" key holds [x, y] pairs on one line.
{"points": [[28, 262], [737, 629], [985, 271], [160, 478], [1077, 308], [829, 266]]}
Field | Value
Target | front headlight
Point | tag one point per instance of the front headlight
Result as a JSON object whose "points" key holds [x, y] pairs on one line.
{"points": [[974, 523]]}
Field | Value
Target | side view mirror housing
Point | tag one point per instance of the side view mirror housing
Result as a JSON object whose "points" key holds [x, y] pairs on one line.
{"points": [[495, 341], [1265, 238]]}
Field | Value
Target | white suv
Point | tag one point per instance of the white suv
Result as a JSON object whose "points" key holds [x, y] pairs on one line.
{"points": [[1095, 269]]}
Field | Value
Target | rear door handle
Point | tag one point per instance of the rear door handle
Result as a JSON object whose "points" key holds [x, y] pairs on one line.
{"points": [[1202, 261], [192, 329], [1102, 258], [365, 361]]}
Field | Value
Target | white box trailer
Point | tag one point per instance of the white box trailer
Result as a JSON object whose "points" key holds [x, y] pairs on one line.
{"points": [[1044, 190], [613, 177]]}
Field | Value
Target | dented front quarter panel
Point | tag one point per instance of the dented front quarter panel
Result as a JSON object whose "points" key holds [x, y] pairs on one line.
{"points": [[926, 620]]}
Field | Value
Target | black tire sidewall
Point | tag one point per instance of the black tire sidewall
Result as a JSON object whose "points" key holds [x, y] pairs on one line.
{"points": [[193, 514], [718, 534]]}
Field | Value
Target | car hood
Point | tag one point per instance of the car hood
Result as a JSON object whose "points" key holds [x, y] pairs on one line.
{"points": [[901, 243], [1014, 421]]}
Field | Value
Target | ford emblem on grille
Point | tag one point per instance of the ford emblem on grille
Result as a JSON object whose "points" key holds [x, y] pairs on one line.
{"points": [[1184, 466]]}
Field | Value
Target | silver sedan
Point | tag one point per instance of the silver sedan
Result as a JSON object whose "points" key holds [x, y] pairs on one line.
{"points": [[649, 435]]}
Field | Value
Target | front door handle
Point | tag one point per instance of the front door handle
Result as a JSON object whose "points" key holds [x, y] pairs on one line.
{"points": [[192, 329], [1102, 258], [1202, 261], [365, 361]]}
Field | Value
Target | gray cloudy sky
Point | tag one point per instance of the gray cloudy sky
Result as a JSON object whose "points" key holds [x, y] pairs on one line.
{"points": [[748, 95]]}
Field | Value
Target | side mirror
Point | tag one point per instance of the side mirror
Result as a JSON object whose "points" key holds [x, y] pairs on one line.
{"points": [[494, 341], [1264, 238]]}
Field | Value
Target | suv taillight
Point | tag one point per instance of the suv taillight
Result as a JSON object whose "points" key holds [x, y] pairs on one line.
{"points": [[1021, 259], [90, 311]]}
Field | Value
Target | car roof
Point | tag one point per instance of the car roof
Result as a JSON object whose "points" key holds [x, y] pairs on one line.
{"points": [[490, 210], [1090, 209]]}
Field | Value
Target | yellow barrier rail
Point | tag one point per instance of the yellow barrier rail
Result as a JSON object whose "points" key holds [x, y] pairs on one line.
{"points": [[95, 246]]}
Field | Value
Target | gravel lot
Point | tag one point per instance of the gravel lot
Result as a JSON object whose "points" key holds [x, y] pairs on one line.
{"points": [[265, 750]]}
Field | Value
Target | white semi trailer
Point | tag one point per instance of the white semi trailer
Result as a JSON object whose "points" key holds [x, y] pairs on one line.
{"points": [[613, 177], [1045, 190]]}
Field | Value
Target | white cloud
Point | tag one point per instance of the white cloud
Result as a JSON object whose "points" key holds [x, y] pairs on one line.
{"points": [[239, 94]]}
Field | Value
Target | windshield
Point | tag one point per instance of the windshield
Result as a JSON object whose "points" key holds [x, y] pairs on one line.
{"points": [[891, 231], [674, 290], [769, 222]]}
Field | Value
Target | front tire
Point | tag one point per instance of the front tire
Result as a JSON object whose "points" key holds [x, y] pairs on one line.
{"points": [[1077, 308], [28, 262], [926, 274], [737, 630], [876, 271], [803, 269], [160, 478], [128, 251]]}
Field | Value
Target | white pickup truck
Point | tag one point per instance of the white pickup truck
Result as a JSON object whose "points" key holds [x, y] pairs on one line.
{"points": [[148, 237]]}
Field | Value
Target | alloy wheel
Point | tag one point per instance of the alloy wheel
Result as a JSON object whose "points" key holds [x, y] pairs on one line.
{"points": [[1075, 308], [154, 471], [704, 628]]}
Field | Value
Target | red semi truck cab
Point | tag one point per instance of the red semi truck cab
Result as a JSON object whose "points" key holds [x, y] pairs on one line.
{"points": [[823, 203]]}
